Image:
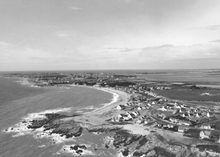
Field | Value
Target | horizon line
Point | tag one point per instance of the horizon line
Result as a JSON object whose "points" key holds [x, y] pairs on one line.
{"points": [[106, 70]]}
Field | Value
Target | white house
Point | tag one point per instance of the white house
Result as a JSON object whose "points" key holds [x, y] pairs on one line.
{"points": [[205, 134], [120, 107]]}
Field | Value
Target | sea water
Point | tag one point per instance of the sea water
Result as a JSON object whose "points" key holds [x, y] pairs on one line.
{"points": [[18, 101]]}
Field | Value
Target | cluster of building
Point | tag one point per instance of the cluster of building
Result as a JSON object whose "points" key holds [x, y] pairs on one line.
{"points": [[209, 135], [146, 107], [123, 117], [184, 114], [138, 108]]}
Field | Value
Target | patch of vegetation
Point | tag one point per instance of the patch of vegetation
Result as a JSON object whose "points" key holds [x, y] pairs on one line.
{"points": [[214, 148], [163, 152], [124, 138], [142, 142], [125, 152], [191, 94], [102, 130]]}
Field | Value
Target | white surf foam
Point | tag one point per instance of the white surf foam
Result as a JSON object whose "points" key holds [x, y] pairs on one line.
{"points": [[67, 149], [21, 128]]}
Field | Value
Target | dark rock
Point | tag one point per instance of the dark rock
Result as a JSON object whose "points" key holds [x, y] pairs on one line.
{"points": [[83, 147], [68, 130], [102, 130], [76, 147], [125, 152], [49, 118], [163, 152], [53, 116], [123, 138], [37, 123], [53, 122], [142, 142], [139, 154], [214, 148], [79, 151]]}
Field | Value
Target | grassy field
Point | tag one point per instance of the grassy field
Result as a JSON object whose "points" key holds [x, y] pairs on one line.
{"points": [[191, 95], [214, 148]]}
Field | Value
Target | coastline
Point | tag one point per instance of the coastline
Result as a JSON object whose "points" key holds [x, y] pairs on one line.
{"points": [[93, 115], [119, 97], [28, 125], [36, 124], [101, 114]]}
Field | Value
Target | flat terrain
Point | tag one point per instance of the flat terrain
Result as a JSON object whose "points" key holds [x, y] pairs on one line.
{"points": [[201, 94]]}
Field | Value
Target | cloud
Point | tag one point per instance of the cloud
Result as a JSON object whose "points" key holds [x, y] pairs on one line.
{"points": [[62, 34], [110, 49], [158, 47], [127, 50], [171, 52], [113, 48], [75, 8], [211, 27], [216, 41], [12, 53], [4, 44], [65, 34]]}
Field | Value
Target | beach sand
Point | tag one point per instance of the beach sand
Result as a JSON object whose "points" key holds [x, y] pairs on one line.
{"points": [[100, 115]]}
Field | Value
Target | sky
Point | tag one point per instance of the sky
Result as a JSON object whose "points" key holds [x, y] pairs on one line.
{"points": [[109, 34]]}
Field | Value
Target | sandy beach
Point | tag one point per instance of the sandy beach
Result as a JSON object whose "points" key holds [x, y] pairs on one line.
{"points": [[100, 115], [119, 97]]}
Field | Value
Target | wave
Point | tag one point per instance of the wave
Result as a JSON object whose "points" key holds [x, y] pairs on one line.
{"points": [[76, 150], [21, 128]]}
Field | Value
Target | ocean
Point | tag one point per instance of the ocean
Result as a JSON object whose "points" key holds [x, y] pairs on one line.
{"points": [[17, 101]]}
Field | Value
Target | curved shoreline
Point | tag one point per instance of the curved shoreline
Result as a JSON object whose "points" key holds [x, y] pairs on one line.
{"points": [[119, 97], [34, 124]]}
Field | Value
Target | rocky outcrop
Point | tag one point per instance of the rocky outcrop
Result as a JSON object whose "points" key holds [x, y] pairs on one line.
{"points": [[123, 138], [69, 130], [49, 117], [138, 145], [55, 123], [102, 129], [113, 139], [78, 148]]}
